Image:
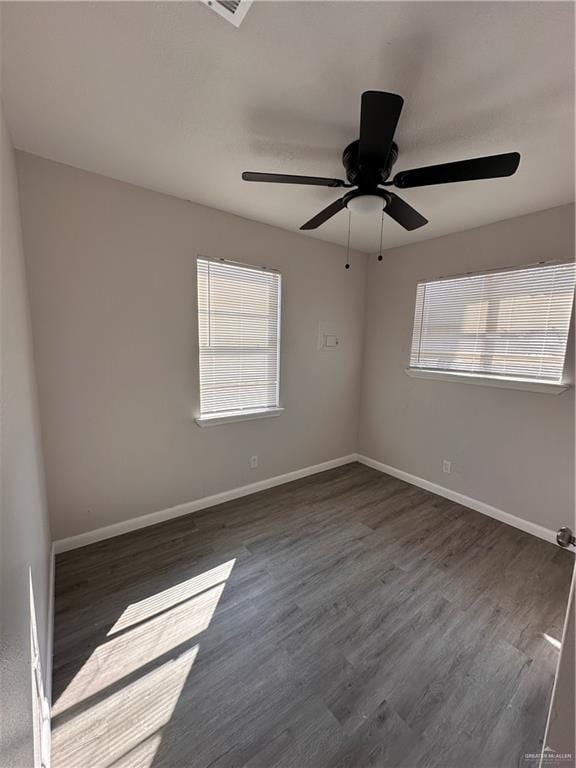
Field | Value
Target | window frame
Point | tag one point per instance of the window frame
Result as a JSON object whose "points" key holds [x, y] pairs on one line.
{"points": [[488, 379], [225, 417]]}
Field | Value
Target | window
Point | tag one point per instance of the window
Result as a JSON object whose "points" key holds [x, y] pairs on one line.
{"points": [[239, 338], [509, 324]]}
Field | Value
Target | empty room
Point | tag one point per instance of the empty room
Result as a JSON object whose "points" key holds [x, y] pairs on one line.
{"points": [[287, 384]]}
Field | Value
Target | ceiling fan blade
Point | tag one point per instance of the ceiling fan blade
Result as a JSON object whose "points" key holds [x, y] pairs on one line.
{"points": [[283, 178], [325, 214], [379, 115], [404, 214], [465, 170]]}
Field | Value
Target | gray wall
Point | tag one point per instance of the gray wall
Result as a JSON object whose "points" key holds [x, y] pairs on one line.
{"points": [[511, 449], [113, 289], [24, 531], [112, 281]]}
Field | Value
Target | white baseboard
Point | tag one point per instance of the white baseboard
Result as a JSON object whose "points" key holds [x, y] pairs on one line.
{"points": [[460, 498], [108, 532]]}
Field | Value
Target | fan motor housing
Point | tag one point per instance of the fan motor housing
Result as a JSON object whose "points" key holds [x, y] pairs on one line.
{"points": [[367, 176]]}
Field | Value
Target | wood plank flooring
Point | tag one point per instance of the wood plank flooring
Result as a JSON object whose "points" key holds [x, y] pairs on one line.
{"points": [[344, 620]]}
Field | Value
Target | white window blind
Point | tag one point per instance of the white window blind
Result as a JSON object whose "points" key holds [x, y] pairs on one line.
{"points": [[239, 336], [509, 323]]}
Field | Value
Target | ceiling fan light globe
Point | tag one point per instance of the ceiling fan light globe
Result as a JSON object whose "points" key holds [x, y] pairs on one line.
{"points": [[366, 205]]}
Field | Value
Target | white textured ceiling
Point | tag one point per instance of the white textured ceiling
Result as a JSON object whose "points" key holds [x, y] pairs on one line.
{"points": [[172, 97]]}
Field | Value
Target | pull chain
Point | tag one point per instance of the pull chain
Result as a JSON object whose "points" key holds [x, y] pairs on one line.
{"points": [[381, 230], [348, 247]]}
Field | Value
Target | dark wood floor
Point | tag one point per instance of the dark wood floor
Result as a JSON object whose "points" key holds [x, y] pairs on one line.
{"points": [[347, 619]]}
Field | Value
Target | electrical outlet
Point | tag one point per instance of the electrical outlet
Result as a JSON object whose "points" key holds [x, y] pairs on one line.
{"points": [[446, 467], [253, 462]]}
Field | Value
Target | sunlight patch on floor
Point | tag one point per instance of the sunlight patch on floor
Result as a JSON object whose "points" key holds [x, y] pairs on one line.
{"points": [[124, 655], [141, 755], [125, 727], [552, 640], [160, 602], [113, 711]]}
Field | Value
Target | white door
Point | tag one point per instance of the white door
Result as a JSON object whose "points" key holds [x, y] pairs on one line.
{"points": [[560, 737]]}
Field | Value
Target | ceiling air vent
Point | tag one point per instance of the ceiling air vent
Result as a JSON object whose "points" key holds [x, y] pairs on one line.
{"points": [[232, 10]]}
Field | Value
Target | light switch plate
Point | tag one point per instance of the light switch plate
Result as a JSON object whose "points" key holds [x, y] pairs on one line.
{"points": [[329, 337], [330, 340]]}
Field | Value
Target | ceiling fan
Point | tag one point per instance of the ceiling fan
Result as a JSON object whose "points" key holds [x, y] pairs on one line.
{"points": [[369, 161]]}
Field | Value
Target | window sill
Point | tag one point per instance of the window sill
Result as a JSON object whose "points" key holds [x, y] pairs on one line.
{"points": [[527, 385], [227, 418]]}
